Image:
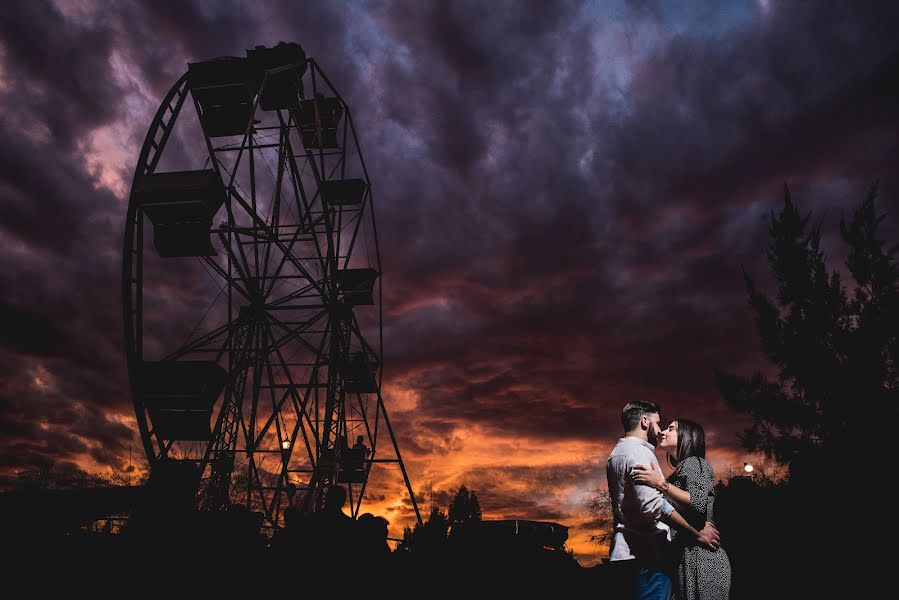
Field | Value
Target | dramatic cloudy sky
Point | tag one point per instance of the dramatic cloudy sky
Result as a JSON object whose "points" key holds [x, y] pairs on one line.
{"points": [[565, 194]]}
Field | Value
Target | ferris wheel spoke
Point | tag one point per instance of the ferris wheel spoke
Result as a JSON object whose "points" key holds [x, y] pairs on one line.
{"points": [[264, 349], [237, 261], [287, 452], [240, 258], [287, 253], [277, 405], [253, 369], [252, 160], [253, 470], [224, 275], [218, 167], [276, 200], [304, 207], [200, 322], [285, 257], [300, 410], [288, 257], [303, 292], [206, 339], [304, 214], [358, 222], [292, 333]]}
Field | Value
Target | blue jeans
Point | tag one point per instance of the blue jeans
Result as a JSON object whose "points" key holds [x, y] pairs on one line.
{"points": [[635, 580], [653, 584]]}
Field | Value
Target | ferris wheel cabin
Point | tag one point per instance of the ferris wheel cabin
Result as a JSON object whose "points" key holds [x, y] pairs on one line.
{"points": [[181, 206], [180, 395]]}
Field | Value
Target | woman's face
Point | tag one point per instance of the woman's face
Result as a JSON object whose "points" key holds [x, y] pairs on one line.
{"points": [[668, 439]]}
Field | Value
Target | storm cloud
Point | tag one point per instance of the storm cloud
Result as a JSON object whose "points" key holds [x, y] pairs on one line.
{"points": [[565, 194]]}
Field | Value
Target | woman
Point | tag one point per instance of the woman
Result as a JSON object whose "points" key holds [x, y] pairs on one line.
{"points": [[701, 574]]}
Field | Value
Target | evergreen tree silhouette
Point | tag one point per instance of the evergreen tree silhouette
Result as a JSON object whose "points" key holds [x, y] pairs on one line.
{"points": [[464, 508], [429, 537], [836, 351]]}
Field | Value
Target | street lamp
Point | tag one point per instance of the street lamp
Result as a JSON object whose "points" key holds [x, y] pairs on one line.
{"points": [[748, 468]]}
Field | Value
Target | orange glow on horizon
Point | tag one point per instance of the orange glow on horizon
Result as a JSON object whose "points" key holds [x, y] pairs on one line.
{"points": [[514, 476]]}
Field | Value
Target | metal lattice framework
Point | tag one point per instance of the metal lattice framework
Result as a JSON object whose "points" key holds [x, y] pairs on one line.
{"points": [[274, 369]]}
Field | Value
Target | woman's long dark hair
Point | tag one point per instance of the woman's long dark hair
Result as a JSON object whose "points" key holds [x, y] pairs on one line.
{"points": [[690, 441]]}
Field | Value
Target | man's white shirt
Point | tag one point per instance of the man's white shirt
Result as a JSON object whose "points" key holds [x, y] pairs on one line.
{"points": [[636, 509]]}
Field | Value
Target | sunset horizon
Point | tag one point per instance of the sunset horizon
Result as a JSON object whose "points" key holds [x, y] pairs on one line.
{"points": [[558, 207]]}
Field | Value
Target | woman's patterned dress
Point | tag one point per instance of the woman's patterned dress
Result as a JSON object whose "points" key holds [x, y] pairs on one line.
{"points": [[701, 574]]}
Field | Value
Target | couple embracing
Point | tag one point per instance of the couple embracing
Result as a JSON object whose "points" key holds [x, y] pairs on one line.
{"points": [[665, 544]]}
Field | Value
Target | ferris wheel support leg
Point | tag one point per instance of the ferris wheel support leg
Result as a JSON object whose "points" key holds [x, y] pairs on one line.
{"points": [[399, 459]]}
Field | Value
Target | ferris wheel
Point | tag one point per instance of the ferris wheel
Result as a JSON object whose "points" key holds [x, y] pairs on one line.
{"points": [[251, 290]]}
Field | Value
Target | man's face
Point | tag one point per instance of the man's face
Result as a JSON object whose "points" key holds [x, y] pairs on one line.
{"points": [[652, 433]]}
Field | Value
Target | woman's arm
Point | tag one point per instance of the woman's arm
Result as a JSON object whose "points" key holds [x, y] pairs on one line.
{"points": [[648, 476]]}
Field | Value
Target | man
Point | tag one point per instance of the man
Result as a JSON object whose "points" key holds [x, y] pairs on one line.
{"points": [[640, 513], [360, 447]]}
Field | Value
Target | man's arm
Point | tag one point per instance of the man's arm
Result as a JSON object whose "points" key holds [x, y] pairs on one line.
{"points": [[651, 502], [708, 538], [654, 506]]}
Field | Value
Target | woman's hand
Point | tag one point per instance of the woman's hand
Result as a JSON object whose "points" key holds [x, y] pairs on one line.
{"points": [[647, 476]]}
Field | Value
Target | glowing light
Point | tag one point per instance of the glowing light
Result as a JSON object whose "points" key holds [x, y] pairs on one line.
{"points": [[747, 467], [285, 445]]}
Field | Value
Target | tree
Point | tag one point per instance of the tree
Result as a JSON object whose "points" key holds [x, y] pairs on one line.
{"points": [[599, 506], [464, 508], [836, 351], [427, 537], [434, 532], [51, 476]]}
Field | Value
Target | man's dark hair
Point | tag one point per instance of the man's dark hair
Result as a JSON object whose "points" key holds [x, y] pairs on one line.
{"points": [[634, 411], [690, 441]]}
